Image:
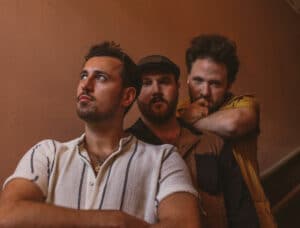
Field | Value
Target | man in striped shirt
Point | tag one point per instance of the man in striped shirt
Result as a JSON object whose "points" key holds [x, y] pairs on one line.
{"points": [[106, 177]]}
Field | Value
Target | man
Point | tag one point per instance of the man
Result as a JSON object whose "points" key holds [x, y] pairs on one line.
{"points": [[205, 153], [212, 65], [105, 178]]}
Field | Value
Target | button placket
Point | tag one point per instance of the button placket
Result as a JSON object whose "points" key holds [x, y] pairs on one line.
{"points": [[90, 188]]}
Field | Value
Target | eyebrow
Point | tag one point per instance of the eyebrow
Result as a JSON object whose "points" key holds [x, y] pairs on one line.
{"points": [[101, 72], [96, 72], [197, 77]]}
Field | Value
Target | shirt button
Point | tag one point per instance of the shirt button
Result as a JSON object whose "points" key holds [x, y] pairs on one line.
{"points": [[91, 184]]}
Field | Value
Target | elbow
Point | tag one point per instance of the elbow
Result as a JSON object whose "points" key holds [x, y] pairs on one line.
{"points": [[235, 129], [239, 124], [232, 129]]}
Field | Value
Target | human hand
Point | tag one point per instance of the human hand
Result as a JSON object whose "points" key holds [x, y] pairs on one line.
{"points": [[195, 111]]}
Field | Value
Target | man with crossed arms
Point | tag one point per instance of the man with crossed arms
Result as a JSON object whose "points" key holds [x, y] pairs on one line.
{"points": [[106, 177], [212, 65]]}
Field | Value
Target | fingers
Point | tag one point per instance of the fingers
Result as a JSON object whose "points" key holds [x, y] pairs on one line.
{"points": [[201, 102], [200, 107]]}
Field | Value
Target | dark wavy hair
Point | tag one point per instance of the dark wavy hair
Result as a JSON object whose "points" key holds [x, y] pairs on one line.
{"points": [[128, 74], [217, 48]]}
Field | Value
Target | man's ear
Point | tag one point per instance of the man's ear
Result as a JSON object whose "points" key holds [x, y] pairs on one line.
{"points": [[129, 94], [188, 79]]}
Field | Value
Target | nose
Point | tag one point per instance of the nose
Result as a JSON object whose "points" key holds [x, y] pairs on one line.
{"points": [[88, 83], [156, 88], [205, 90]]}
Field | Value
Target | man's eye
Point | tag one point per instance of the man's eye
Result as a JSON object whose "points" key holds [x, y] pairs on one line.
{"points": [[100, 77], [83, 76], [165, 81], [216, 84], [197, 80], [146, 83]]}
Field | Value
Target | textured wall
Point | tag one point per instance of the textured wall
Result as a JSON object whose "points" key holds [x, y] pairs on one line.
{"points": [[42, 44]]}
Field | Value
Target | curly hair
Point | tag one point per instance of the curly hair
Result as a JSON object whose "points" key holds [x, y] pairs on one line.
{"points": [[128, 74], [217, 48]]}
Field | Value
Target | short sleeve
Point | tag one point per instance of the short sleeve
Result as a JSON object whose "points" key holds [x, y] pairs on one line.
{"points": [[242, 102], [36, 165], [174, 176]]}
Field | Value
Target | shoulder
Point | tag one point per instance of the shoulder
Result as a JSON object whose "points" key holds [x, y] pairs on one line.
{"points": [[209, 143], [53, 146], [240, 101], [159, 149], [204, 142], [142, 132], [155, 153]]}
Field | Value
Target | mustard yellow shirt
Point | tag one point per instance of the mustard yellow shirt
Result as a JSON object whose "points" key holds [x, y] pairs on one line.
{"points": [[245, 153]]}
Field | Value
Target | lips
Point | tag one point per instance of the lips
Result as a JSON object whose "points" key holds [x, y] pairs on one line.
{"points": [[157, 100], [85, 98]]}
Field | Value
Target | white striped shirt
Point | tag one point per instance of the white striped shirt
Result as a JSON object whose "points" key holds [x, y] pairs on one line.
{"points": [[134, 179]]}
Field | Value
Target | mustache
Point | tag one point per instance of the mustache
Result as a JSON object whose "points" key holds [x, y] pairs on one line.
{"points": [[157, 98], [85, 93], [202, 97]]}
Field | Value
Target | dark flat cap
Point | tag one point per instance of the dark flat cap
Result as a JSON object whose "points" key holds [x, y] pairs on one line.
{"points": [[157, 63]]}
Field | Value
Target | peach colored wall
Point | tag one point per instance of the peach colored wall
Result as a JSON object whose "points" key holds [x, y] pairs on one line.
{"points": [[42, 43]]}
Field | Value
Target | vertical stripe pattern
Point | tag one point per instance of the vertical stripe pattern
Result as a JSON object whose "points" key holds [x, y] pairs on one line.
{"points": [[80, 185], [126, 175], [31, 160], [105, 186], [54, 153]]}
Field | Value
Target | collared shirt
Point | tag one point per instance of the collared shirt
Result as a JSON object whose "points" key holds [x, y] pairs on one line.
{"points": [[243, 173], [214, 169], [245, 154], [134, 178]]}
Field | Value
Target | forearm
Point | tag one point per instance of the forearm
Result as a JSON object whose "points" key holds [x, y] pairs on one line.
{"points": [[180, 210], [178, 224], [214, 124], [35, 214], [229, 123]]}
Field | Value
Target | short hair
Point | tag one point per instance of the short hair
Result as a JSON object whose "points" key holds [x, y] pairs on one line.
{"points": [[217, 48], [128, 74]]}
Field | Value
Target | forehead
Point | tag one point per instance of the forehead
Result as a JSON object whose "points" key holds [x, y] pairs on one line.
{"points": [[205, 68], [106, 64], [157, 76]]}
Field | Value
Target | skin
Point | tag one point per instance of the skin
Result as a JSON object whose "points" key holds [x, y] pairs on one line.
{"points": [[157, 103], [22, 202], [101, 101], [208, 85], [96, 79]]}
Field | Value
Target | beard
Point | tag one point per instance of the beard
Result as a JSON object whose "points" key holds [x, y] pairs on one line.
{"points": [[88, 114], [158, 116]]}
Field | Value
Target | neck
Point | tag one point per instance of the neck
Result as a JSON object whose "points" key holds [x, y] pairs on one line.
{"points": [[167, 132], [102, 139]]}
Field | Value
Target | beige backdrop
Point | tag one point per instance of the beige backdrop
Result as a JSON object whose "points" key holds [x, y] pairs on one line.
{"points": [[42, 44]]}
